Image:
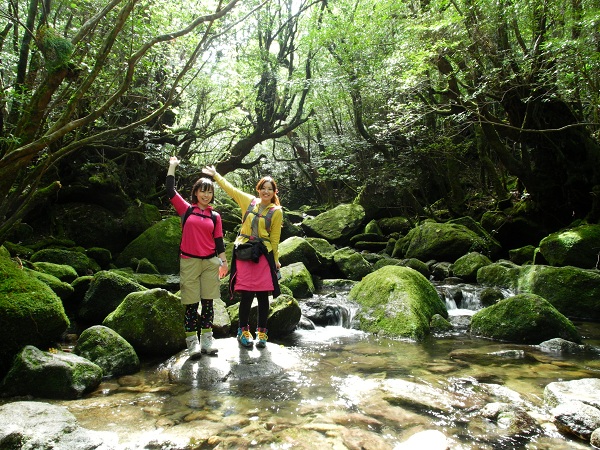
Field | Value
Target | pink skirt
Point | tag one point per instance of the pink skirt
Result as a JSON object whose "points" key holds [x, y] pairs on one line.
{"points": [[255, 277]]}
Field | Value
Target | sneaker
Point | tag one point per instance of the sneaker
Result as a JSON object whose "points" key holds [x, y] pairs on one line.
{"points": [[261, 335], [244, 337], [193, 346], [206, 341]]}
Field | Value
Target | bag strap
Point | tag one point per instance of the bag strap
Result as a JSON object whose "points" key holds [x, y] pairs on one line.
{"points": [[268, 216]]}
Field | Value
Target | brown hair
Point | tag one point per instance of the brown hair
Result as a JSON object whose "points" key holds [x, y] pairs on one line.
{"points": [[264, 180], [202, 184]]}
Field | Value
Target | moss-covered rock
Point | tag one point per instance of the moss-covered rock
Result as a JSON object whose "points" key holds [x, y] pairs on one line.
{"points": [[151, 321], [60, 288], [503, 274], [442, 242], [571, 290], [336, 225], [89, 225], [159, 244], [297, 278], [351, 264], [54, 374], [389, 225], [397, 301], [102, 256], [284, 316], [82, 264], [440, 324], [30, 313], [466, 266], [579, 247], [522, 255], [107, 290], [61, 271], [106, 348], [524, 319], [139, 217], [297, 249]]}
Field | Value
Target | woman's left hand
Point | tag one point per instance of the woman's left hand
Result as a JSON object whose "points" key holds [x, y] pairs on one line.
{"points": [[223, 269]]}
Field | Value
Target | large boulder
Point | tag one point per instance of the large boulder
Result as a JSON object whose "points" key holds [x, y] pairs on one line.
{"points": [[523, 319], [107, 290], [397, 301], [337, 225], [30, 313], [39, 425], [62, 289], [351, 264], [296, 249], [284, 315], [571, 290], [466, 266], [151, 321], [90, 225], [139, 217], [577, 247], [82, 264], [298, 279], [50, 375], [159, 244], [442, 242], [106, 348]]}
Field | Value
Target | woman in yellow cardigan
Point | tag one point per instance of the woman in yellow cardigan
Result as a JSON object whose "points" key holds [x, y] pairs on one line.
{"points": [[262, 218]]}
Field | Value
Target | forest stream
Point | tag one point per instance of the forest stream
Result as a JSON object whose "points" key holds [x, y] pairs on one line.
{"points": [[335, 393]]}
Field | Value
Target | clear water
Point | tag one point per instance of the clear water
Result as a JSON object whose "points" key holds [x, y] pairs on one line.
{"points": [[333, 399]]}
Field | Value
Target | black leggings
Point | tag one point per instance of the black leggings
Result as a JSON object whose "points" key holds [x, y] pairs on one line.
{"points": [[197, 322], [246, 305]]}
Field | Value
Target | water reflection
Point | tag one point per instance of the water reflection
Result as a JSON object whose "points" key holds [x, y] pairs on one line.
{"points": [[339, 388]]}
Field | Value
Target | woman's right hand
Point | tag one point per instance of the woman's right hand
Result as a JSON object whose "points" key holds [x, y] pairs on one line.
{"points": [[173, 161], [210, 171]]}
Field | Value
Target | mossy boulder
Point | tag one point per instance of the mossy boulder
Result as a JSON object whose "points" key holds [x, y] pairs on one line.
{"points": [[389, 225], [107, 290], [579, 247], [297, 279], [297, 249], [571, 290], [336, 225], [89, 225], [398, 302], [159, 244], [441, 242], [30, 313], [523, 319], [466, 266], [60, 288], [151, 321], [55, 374], [522, 255], [106, 348], [139, 217], [503, 274], [82, 264], [351, 264], [284, 316], [63, 272]]}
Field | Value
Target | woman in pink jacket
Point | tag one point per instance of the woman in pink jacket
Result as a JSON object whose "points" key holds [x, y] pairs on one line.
{"points": [[202, 260]]}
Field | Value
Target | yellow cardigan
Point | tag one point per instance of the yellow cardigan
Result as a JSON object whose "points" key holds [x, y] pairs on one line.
{"points": [[271, 240]]}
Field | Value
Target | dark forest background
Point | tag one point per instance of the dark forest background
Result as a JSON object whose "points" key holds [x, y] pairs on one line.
{"points": [[440, 108]]}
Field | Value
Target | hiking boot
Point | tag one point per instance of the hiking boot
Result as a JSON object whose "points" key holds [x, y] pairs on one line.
{"points": [[261, 335], [244, 337], [206, 341], [193, 346]]}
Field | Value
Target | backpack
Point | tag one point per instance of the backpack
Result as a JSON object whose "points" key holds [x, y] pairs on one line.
{"points": [[267, 216], [189, 212]]}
